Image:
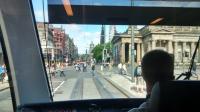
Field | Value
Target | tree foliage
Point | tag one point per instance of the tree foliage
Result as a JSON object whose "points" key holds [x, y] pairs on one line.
{"points": [[98, 49], [97, 52]]}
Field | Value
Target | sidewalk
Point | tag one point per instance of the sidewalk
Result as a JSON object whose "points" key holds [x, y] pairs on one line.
{"points": [[123, 83], [4, 86]]}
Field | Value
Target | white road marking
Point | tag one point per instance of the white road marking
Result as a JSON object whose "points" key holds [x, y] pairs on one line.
{"points": [[66, 90], [58, 87]]}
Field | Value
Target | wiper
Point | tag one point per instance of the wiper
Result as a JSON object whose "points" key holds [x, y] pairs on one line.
{"points": [[188, 74]]}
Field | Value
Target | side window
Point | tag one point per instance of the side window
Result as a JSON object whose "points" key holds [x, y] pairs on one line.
{"points": [[5, 94]]}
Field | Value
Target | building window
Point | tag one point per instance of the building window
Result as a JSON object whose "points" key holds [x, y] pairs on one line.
{"points": [[187, 54]]}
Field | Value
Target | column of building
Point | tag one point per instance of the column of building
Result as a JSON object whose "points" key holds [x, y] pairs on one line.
{"points": [[192, 48], [138, 53], [149, 46], [170, 47], [142, 48], [123, 53], [129, 60], [115, 53], [183, 51], [153, 44], [118, 53], [176, 52]]}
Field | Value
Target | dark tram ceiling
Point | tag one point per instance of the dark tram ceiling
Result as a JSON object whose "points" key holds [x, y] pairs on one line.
{"points": [[124, 15]]}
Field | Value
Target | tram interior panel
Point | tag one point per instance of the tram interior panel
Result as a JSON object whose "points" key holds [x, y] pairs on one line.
{"points": [[184, 89]]}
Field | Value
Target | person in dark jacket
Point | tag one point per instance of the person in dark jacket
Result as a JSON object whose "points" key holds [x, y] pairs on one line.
{"points": [[157, 66]]}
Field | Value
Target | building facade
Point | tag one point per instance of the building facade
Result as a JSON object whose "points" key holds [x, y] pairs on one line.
{"points": [[90, 50], [56, 44], [46, 41], [91, 47], [59, 41], [177, 40]]}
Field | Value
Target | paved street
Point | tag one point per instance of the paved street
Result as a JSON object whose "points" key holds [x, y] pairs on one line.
{"points": [[82, 85], [5, 101]]}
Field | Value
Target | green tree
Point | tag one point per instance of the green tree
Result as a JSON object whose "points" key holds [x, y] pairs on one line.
{"points": [[97, 52], [98, 49], [109, 47]]}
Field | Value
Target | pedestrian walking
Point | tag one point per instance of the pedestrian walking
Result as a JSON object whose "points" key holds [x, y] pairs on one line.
{"points": [[76, 67], [101, 67], [93, 69], [120, 68], [93, 61], [52, 70], [79, 67], [62, 71], [138, 78], [124, 70], [110, 66], [2, 73], [84, 67]]}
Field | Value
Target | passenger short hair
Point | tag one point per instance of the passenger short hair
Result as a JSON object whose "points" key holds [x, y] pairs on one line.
{"points": [[157, 65]]}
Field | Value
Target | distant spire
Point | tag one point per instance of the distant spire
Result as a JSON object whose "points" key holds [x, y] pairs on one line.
{"points": [[102, 39], [112, 31], [115, 30]]}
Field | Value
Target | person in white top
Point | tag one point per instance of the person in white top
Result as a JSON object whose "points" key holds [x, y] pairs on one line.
{"points": [[157, 66], [124, 69], [120, 68]]}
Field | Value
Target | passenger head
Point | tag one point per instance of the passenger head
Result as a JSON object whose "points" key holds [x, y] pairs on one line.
{"points": [[157, 66]]}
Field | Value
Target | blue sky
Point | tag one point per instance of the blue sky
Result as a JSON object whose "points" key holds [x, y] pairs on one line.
{"points": [[82, 35]]}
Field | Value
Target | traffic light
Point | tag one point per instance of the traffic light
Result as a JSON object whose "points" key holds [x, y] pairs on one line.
{"points": [[105, 52]]}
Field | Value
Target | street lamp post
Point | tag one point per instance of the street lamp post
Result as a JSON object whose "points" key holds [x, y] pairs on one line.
{"points": [[132, 49], [132, 53]]}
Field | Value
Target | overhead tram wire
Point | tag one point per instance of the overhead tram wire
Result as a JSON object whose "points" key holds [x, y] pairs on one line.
{"points": [[47, 52]]}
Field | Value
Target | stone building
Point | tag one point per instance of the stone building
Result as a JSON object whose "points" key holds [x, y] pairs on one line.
{"points": [[46, 41], [59, 41], [177, 40], [91, 47], [70, 49], [90, 50]]}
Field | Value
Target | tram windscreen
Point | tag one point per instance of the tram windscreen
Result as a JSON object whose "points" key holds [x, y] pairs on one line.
{"points": [[95, 61]]}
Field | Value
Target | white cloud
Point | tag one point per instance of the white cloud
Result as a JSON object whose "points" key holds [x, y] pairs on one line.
{"points": [[81, 38], [83, 35]]}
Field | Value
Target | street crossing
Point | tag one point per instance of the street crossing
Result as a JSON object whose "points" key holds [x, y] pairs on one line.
{"points": [[82, 85]]}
